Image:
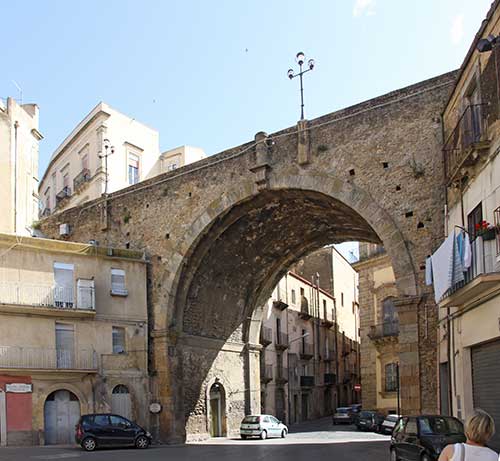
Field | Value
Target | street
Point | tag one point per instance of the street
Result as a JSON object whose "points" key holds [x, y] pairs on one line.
{"points": [[317, 440]]}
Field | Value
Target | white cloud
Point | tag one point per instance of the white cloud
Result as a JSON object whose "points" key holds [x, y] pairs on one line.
{"points": [[457, 29], [363, 7]]}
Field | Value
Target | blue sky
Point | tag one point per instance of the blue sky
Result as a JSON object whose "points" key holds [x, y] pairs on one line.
{"points": [[212, 74]]}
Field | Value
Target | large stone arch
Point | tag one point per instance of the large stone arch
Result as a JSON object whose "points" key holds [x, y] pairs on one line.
{"points": [[321, 197]]}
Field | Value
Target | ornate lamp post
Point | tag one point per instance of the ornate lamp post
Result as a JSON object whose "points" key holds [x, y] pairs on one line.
{"points": [[300, 58]]}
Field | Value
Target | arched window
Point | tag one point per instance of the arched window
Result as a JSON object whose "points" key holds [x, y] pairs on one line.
{"points": [[120, 389], [391, 377]]}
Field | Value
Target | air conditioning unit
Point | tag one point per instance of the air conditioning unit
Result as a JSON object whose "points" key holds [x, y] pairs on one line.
{"points": [[64, 229]]}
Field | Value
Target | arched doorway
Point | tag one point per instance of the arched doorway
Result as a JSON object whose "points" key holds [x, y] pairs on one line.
{"points": [[61, 414], [121, 403], [217, 397]]}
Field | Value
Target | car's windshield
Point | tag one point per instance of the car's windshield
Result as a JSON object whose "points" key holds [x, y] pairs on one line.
{"points": [[440, 425], [251, 419], [366, 414], [343, 410], [392, 418]]}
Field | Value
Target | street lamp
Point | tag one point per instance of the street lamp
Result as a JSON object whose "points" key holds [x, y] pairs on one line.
{"points": [[106, 154], [300, 58]]}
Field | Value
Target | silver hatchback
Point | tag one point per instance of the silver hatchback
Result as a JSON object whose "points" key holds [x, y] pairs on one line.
{"points": [[262, 426]]}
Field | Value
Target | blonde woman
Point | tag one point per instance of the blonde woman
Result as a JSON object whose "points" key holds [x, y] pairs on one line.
{"points": [[479, 428]]}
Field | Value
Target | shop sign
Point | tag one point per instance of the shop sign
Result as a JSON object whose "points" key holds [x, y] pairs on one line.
{"points": [[19, 388]]}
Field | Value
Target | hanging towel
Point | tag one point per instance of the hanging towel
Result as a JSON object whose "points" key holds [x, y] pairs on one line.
{"points": [[467, 252], [458, 266], [428, 270]]}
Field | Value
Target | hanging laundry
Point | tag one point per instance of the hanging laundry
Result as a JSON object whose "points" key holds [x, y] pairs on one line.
{"points": [[428, 270], [467, 252]]}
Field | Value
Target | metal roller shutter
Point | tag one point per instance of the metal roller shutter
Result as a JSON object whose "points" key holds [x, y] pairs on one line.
{"points": [[485, 383]]}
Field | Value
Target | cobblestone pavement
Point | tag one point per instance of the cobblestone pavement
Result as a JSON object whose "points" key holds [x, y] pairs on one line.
{"points": [[316, 440]]}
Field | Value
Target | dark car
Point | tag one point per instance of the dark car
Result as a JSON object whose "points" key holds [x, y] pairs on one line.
{"points": [[422, 438], [355, 409], [369, 420], [107, 430]]}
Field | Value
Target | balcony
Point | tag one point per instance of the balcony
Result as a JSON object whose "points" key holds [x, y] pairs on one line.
{"points": [[482, 279], [266, 374], [466, 141], [307, 381], [36, 358], [266, 336], [327, 322], [281, 375], [384, 330], [281, 343], [330, 379], [81, 178], [280, 304], [45, 213], [63, 194], [38, 297], [306, 351]]}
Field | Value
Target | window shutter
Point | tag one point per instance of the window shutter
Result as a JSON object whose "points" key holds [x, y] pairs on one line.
{"points": [[118, 282]]}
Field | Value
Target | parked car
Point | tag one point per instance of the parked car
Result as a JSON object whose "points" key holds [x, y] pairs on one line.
{"points": [[262, 426], [343, 415], [355, 410], [389, 423], [369, 420], [105, 430], [422, 438]]}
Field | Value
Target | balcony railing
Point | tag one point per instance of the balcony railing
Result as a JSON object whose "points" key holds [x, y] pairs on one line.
{"points": [[63, 193], [266, 336], [330, 379], [280, 304], [383, 330], [25, 294], [281, 375], [45, 213], [281, 341], [306, 351], [47, 359], [307, 381], [482, 276], [468, 135], [266, 373], [81, 178], [304, 313]]}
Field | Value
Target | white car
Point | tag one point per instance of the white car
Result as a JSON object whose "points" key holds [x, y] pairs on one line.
{"points": [[389, 423], [262, 426]]}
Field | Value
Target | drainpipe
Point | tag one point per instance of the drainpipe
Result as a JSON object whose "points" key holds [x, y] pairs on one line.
{"points": [[16, 126]]}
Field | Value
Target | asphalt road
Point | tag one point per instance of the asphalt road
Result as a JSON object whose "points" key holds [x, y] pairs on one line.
{"points": [[318, 441]]}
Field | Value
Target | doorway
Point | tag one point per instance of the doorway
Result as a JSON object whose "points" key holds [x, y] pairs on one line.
{"points": [[217, 397], [121, 403], [61, 414]]}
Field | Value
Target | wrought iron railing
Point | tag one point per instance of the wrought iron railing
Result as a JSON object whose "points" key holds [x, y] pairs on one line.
{"points": [[51, 359], [469, 131], [26, 294], [306, 350], [81, 178], [266, 336], [384, 329], [45, 212], [281, 340], [63, 193]]}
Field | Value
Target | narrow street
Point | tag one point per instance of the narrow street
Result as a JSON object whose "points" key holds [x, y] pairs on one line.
{"points": [[318, 440]]}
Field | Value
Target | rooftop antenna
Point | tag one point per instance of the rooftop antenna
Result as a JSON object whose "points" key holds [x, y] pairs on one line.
{"points": [[20, 92]]}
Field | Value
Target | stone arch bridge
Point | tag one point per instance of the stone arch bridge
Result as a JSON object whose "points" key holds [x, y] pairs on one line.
{"points": [[220, 233]]}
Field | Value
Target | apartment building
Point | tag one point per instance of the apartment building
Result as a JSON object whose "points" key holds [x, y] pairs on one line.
{"points": [[465, 268], [19, 138], [379, 329], [107, 151], [73, 337], [310, 355]]}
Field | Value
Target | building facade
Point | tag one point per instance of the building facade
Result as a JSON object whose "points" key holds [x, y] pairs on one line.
{"points": [[73, 337], [309, 363], [107, 151], [19, 138], [379, 329], [469, 305]]}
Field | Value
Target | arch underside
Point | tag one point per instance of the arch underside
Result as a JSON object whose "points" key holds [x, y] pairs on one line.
{"points": [[239, 259]]}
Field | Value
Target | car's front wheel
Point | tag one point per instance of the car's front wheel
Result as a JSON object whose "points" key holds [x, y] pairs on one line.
{"points": [[89, 444], [263, 435], [283, 433], [142, 442]]}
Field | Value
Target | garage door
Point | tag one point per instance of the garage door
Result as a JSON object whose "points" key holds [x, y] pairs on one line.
{"points": [[485, 379], [62, 411]]}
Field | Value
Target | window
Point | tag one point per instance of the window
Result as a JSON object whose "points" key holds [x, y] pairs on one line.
{"points": [[302, 292], [391, 378], [63, 289], [172, 167], [85, 162], [133, 169], [278, 327], [118, 282], [325, 311], [118, 340], [497, 227], [294, 300], [119, 421], [342, 299], [66, 180], [399, 427], [411, 427], [474, 218], [101, 420]]}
